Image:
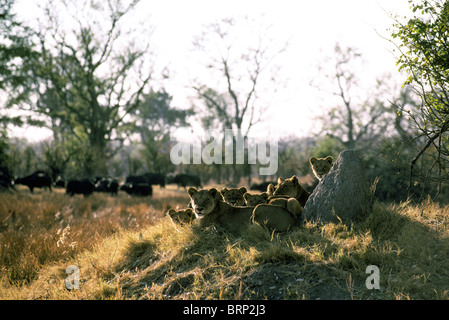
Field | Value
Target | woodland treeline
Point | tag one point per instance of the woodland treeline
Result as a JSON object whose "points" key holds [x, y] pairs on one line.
{"points": [[97, 87]]}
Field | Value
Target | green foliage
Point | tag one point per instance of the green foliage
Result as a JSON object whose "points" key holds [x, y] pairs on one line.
{"points": [[328, 146], [424, 55], [15, 46]]}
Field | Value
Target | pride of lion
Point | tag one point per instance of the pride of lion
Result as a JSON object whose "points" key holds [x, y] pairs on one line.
{"points": [[278, 209]]}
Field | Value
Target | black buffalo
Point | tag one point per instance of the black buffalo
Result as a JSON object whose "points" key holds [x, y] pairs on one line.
{"points": [[59, 182], [6, 180], [184, 180], [85, 187], [137, 189], [136, 180], [38, 179], [155, 178], [106, 185]]}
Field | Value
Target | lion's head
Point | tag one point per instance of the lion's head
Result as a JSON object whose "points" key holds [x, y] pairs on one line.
{"points": [[181, 216], [253, 200], [288, 187], [321, 166], [234, 196], [203, 201]]}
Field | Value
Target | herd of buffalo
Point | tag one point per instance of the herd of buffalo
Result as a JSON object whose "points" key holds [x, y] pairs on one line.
{"points": [[140, 185]]}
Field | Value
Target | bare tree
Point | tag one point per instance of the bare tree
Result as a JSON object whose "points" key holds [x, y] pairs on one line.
{"points": [[359, 117], [240, 67]]}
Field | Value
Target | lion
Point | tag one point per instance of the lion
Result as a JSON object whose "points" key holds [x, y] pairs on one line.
{"points": [[209, 210], [291, 188], [321, 166], [291, 204], [252, 200], [182, 216], [234, 196], [275, 217]]}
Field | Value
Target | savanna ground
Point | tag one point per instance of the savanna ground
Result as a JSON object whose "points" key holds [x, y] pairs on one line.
{"points": [[125, 248]]}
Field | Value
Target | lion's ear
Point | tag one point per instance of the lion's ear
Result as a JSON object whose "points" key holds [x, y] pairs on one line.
{"points": [[214, 192], [295, 180], [312, 160], [280, 180], [246, 196], [171, 212], [192, 191], [242, 190], [224, 190], [329, 159], [189, 212]]}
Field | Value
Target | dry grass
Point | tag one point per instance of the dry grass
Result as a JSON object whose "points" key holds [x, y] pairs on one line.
{"points": [[37, 229], [125, 249]]}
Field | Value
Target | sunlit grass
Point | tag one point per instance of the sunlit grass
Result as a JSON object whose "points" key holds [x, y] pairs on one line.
{"points": [[126, 249]]}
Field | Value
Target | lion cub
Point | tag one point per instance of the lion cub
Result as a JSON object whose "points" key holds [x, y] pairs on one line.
{"points": [[284, 201], [291, 188], [321, 166], [252, 200], [181, 216], [291, 204], [208, 210], [234, 196]]}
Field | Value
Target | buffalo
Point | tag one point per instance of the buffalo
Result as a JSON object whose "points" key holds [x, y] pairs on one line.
{"points": [[185, 180], [85, 187], [106, 185], [155, 178], [6, 180], [38, 179], [137, 189]]}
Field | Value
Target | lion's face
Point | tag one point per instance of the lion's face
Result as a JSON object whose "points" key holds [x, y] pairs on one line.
{"points": [[288, 187], [253, 200], [234, 196], [203, 201], [321, 166], [181, 216]]}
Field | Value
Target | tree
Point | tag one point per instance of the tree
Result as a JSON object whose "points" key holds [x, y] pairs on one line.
{"points": [[240, 65], [15, 47], [89, 78], [360, 115], [424, 55], [154, 121]]}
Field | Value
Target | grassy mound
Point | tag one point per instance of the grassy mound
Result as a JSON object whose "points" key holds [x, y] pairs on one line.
{"points": [[161, 260]]}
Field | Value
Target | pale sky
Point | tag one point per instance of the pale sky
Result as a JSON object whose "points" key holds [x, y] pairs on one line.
{"points": [[313, 28]]}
